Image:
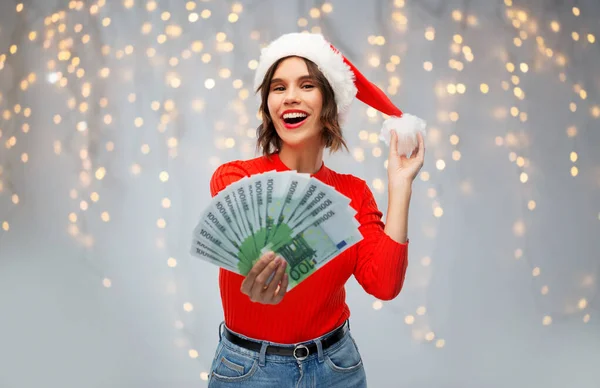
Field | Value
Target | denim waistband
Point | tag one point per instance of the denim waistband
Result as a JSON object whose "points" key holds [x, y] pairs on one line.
{"points": [[262, 356]]}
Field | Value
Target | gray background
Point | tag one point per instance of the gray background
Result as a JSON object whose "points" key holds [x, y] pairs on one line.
{"points": [[61, 326]]}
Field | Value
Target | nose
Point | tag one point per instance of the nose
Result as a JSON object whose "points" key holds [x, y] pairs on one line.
{"points": [[291, 96]]}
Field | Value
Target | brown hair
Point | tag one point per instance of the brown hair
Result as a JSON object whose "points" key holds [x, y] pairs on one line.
{"points": [[267, 136]]}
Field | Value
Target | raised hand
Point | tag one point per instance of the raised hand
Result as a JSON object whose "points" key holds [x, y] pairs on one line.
{"points": [[402, 170]]}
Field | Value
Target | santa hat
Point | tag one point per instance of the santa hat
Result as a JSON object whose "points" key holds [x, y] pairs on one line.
{"points": [[346, 81]]}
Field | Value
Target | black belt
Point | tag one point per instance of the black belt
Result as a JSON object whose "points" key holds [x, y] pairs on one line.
{"points": [[300, 352]]}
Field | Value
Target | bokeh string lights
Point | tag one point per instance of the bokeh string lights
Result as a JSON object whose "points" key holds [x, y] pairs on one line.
{"points": [[99, 57], [549, 52], [14, 126]]}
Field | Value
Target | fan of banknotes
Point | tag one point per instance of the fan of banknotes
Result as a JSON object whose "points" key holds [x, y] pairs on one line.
{"points": [[300, 218]]}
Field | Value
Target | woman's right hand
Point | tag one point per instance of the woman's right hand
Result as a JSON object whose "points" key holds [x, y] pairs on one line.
{"points": [[255, 284]]}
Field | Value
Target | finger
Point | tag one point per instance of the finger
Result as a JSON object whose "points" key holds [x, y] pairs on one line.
{"points": [[393, 143], [270, 291], [421, 152], [282, 289], [414, 152], [418, 146], [261, 280], [257, 268]]}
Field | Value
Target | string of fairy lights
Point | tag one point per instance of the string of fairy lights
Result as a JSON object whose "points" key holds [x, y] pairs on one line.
{"points": [[387, 60], [65, 33], [518, 112]]}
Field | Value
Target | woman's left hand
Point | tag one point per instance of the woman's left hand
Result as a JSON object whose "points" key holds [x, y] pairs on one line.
{"points": [[403, 170]]}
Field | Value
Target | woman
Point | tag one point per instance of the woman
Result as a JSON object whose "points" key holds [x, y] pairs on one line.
{"points": [[274, 339]]}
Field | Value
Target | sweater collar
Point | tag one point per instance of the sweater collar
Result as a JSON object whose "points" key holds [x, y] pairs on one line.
{"points": [[321, 175]]}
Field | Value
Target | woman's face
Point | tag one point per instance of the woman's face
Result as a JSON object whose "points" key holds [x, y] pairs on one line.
{"points": [[294, 103]]}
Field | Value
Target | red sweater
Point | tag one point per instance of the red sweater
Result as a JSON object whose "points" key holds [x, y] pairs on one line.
{"points": [[318, 304]]}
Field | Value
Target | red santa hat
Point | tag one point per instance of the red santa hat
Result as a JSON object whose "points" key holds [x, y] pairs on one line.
{"points": [[346, 81]]}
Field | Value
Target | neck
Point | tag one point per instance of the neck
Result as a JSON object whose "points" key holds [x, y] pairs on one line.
{"points": [[304, 160]]}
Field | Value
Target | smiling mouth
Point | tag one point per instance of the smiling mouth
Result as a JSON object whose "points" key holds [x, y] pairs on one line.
{"points": [[294, 120]]}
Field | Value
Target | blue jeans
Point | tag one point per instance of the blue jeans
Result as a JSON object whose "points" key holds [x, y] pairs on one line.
{"points": [[340, 365]]}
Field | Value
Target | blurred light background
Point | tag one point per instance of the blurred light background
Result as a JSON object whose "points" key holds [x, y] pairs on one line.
{"points": [[115, 113]]}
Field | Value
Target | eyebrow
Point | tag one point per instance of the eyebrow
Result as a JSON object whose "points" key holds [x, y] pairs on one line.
{"points": [[303, 78]]}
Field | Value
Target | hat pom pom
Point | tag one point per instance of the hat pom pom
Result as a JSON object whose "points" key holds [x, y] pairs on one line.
{"points": [[407, 128]]}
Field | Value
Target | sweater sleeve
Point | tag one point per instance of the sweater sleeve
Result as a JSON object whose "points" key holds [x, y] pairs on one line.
{"points": [[381, 262], [225, 175]]}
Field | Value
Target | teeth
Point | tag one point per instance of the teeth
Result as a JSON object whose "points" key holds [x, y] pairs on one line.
{"points": [[293, 115]]}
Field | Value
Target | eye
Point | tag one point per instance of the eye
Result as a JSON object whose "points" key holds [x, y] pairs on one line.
{"points": [[308, 86], [278, 89]]}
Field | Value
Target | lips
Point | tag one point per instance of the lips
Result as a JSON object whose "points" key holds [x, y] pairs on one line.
{"points": [[294, 118]]}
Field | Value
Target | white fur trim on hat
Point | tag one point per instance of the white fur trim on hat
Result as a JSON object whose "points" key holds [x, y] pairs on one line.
{"points": [[407, 128], [315, 48]]}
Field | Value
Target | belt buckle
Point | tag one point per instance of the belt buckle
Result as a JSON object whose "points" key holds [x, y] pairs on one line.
{"points": [[301, 358]]}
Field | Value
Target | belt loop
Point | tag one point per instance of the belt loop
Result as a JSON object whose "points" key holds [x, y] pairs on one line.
{"points": [[262, 355], [319, 350], [221, 330], [348, 322]]}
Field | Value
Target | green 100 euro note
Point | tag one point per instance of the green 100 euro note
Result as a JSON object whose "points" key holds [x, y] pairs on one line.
{"points": [[305, 221]]}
